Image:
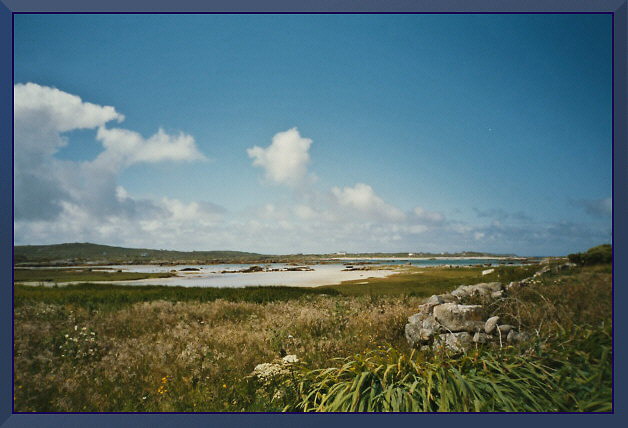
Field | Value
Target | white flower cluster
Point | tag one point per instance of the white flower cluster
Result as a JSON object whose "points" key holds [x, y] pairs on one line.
{"points": [[269, 372], [79, 345]]}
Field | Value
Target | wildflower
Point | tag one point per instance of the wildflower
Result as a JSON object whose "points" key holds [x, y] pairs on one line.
{"points": [[224, 385], [290, 359]]}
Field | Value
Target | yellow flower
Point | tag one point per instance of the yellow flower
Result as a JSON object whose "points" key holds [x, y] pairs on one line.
{"points": [[224, 385]]}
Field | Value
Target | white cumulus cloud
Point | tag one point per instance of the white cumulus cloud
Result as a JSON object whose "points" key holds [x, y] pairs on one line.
{"points": [[124, 148], [62, 111], [363, 199], [285, 160], [81, 196]]}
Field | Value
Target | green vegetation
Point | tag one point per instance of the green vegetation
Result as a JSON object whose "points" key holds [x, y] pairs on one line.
{"points": [[86, 252], [573, 379], [69, 275], [594, 256], [97, 348], [113, 297], [567, 367]]}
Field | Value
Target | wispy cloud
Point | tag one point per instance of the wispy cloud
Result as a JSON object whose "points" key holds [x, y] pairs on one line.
{"points": [[600, 208], [501, 214]]}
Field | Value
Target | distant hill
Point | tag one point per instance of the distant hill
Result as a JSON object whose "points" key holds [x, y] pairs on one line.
{"points": [[102, 254], [90, 253]]}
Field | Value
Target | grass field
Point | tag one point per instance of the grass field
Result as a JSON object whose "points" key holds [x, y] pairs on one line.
{"points": [[114, 348]]}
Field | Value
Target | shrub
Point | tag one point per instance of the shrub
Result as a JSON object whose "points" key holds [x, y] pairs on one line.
{"points": [[594, 256]]}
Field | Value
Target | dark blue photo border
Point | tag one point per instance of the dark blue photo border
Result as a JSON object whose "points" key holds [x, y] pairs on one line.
{"points": [[618, 9]]}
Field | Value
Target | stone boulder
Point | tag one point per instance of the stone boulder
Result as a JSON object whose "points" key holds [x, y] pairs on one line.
{"points": [[482, 289], [504, 329], [480, 337], [457, 342], [516, 337], [491, 324], [413, 334], [456, 318]]}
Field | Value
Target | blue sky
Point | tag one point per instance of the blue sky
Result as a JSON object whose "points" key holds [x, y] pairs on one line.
{"points": [[413, 132]]}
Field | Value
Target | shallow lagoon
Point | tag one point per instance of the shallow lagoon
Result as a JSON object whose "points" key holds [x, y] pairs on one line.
{"points": [[210, 276], [322, 274]]}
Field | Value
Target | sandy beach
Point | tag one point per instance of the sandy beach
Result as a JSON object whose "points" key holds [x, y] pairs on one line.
{"points": [[321, 275]]}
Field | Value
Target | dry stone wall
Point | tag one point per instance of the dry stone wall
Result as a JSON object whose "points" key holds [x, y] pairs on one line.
{"points": [[445, 322]]}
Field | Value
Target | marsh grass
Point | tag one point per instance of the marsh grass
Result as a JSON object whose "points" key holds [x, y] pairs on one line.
{"points": [[69, 275], [112, 297]]}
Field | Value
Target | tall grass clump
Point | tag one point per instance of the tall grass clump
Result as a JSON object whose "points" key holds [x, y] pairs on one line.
{"points": [[571, 378]]}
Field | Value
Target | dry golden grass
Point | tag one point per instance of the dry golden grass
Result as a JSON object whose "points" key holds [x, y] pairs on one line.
{"points": [[190, 356]]}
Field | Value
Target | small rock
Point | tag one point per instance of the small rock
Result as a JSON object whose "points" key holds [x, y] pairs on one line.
{"points": [[505, 329], [431, 324], [435, 300], [458, 342], [488, 271], [413, 334], [426, 334], [513, 284], [516, 337], [497, 294], [490, 325], [480, 337], [416, 318], [448, 298]]}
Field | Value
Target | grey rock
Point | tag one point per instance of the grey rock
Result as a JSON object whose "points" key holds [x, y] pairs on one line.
{"points": [[431, 324], [448, 298], [504, 329], [456, 318], [480, 337], [514, 284], [426, 334], [516, 337], [481, 289], [413, 334], [457, 342], [494, 286], [416, 318], [460, 292], [497, 294], [435, 300], [491, 324], [426, 308]]}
